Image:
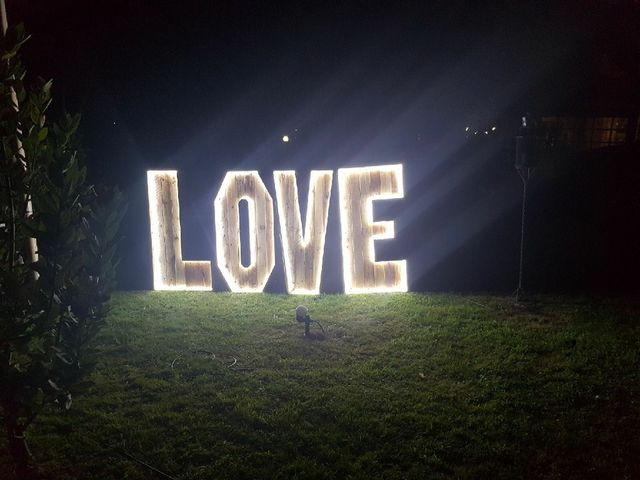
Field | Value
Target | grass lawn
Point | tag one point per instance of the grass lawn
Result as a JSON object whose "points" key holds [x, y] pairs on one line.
{"points": [[405, 386]]}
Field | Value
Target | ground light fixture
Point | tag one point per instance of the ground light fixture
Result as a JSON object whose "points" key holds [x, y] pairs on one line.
{"points": [[302, 316]]}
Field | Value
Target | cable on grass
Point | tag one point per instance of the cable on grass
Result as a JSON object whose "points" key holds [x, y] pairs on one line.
{"points": [[319, 324], [128, 456], [174, 360], [478, 303], [146, 465], [213, 355]]}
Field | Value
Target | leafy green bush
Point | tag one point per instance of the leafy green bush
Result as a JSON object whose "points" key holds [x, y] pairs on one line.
{"points": [[51, 303]]}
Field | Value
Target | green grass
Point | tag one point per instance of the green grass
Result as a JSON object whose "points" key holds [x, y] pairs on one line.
{"points": [[407, 386]]}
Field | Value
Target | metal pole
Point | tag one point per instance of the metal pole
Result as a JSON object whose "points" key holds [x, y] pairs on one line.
{"points": [[525, 179]]}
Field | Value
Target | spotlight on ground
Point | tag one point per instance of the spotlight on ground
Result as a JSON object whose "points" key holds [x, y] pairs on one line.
{"points": [[302, 316]]}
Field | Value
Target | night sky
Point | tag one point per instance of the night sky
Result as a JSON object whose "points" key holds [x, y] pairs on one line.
{"points": [[206, 87]]}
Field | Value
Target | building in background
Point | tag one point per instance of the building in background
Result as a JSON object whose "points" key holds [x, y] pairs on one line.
{"points": [[591, 132]]}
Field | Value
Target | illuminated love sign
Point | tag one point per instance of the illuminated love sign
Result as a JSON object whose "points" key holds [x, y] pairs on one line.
{"points": [[302, 246]]}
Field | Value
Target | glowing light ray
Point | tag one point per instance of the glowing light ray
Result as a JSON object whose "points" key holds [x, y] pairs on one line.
{"points": [[303, 253], [238, 186], [359, 187], [170, 272]]}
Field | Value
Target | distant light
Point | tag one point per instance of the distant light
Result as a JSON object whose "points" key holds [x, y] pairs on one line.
{"points": [[285, 138], [486, 132], [466, 129], [475, 133], [493, 129]]}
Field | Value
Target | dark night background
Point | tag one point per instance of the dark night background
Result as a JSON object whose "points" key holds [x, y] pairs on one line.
{"points": [[206, 87]]}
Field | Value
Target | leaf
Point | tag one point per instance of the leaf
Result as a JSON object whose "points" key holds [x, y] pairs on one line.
{"points": [[64, 358], [45, 323], [9, 55], [42, 134]]}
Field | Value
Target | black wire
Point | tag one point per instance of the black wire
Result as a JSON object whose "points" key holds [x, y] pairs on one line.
{"points": [[319, 324]]}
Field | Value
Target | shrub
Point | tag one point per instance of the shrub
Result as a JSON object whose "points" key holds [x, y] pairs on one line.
{"points": [[53, 299]]}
